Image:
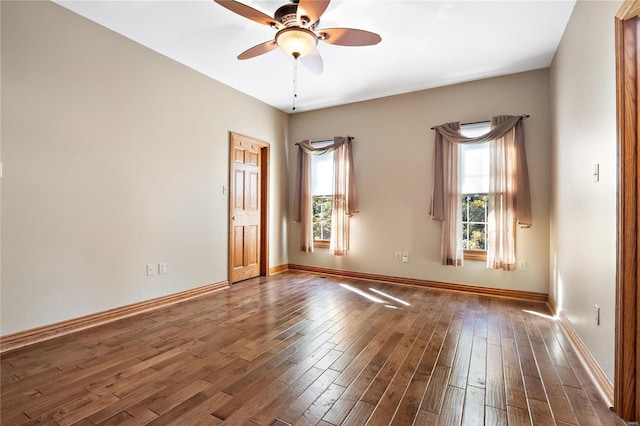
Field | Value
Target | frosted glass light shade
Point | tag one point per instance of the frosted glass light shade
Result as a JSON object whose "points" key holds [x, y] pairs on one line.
{"points": [[296, 41]]}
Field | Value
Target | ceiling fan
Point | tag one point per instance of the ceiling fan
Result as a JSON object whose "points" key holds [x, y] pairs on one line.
{"points": [[297, 33]]}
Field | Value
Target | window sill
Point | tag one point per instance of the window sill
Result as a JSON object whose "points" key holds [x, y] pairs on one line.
{"points": [[321, 243], [475, 255]]}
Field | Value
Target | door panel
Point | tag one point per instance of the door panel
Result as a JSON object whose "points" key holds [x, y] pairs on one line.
{"points": [[239, 155], [254, 159], [238, 199], [238, 245], [251, 245], [252, 192]]}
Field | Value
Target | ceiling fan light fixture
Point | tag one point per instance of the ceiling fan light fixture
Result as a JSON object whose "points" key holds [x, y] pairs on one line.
{"points": [[296, 41]]}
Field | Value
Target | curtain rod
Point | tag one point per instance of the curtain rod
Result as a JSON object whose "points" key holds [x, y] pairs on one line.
{"points": [[328, 140], [524, 117]]}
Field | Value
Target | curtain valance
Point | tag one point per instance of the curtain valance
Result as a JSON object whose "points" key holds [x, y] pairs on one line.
{"points": [[308, 147], [504, 124], [500, 126]]}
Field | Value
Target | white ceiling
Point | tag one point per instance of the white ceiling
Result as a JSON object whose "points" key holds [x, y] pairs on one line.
{"points": [[425, 44]]}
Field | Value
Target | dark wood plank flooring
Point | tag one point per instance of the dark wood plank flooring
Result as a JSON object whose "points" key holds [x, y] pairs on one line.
{"points": [[300, 349]]}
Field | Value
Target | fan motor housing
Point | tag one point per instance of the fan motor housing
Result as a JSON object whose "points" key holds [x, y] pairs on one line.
{"points": [[287, 14]]}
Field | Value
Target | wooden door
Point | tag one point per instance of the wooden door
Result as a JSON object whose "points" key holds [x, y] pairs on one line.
{"points": [[245, 209]]}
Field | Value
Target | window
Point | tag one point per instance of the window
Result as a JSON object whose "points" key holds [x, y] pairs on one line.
{"points": [[321, 197], [509, 196], [474, 181]]}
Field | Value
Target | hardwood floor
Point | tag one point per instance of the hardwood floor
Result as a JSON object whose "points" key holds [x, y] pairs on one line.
{"points": [[300, 349]]}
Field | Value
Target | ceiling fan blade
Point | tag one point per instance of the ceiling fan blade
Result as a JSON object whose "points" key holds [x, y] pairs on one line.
{"points": [[249, 13], [313, 62], [348, 37], [309, 11], [258, 50]]}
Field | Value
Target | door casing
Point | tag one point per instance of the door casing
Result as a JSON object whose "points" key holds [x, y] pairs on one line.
{"points": [[627, 340], [265, 152]]}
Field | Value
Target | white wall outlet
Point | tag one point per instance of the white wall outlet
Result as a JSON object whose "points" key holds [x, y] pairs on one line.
{"points": [[398, 254], [596, 314], [405, 256], [151, 269], [162, 268], [522, 265]]}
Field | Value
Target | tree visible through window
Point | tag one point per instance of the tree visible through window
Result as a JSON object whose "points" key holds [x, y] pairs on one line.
{"points": [[474, 170], [321, 207], [322, 197]]}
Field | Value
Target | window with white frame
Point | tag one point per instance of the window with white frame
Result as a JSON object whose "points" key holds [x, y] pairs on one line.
{"points": [[474, 180]]}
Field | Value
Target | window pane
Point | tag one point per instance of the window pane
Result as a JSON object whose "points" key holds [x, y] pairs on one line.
{"points": [[477, 208], [322, 174], [477, 236], [474, 166], [321, 207], [474, 221]]}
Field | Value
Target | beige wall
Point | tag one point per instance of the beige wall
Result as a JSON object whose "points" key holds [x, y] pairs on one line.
{"points": [[583, 231], [114, 157], [393, 161]]}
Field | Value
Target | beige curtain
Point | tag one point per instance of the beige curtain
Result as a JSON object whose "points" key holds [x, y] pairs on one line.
{"points": [[507, 189], [302, 201], [345, 198], [447, 201], [509, 196]]}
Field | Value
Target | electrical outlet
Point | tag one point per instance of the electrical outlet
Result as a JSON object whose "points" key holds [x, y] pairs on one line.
{"points": [[151, 269], [162, 268], [522, 265], [398, 255], [596, 314], [405, 257]]}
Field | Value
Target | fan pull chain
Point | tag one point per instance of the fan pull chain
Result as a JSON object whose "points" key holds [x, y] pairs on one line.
{"points": [[295, 82]]}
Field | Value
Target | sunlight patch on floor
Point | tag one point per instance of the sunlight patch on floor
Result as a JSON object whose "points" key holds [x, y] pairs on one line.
{"points": [[540, 314], [362, 293], [388, 296]]}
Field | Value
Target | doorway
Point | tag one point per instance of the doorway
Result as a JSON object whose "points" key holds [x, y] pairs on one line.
{"points": [[248, 207]]}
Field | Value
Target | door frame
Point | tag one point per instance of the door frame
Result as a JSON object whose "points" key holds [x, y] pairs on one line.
{"points": [[265, 153], [627, 343]]}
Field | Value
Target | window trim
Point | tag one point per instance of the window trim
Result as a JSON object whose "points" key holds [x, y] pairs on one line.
{"points": [[476, 254], [321, 243]]}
